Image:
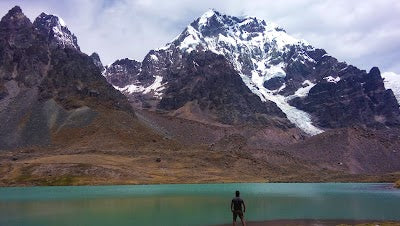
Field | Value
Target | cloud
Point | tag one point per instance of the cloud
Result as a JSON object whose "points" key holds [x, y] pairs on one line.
{"points": [[365, 33]]}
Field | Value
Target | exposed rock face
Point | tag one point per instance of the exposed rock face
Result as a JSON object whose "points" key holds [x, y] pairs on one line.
{"points": [[46, 83], [96, 60], [313, 89], [123, 72], [73, 82], [210, 81], [56, 31], [359, 98], [24, 53], [201, 83]]}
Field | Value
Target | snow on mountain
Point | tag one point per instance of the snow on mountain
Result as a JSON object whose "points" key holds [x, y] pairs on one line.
{"points": [[332, 79], [57, 30], [256, 49], [155, 87], [392, 81], [288, 78]]}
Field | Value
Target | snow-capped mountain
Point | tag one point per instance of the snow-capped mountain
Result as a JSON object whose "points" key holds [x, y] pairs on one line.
{"points": [[57, 30], [311, 88], [243, 100], [257, 50], [392, 81]]}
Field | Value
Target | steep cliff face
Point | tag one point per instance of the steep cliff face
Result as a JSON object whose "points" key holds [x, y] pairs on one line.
{"points": [[313, 89], [198, 85], [96, 60], [56, 31], [358, 98], [47, 84], [208, 82], [123, 72]]}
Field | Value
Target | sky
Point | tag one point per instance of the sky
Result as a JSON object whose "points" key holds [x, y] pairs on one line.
{"points": [[364, 33]]}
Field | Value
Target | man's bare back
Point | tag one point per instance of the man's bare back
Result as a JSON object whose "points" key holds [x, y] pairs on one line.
{"points": [[236, 208]]}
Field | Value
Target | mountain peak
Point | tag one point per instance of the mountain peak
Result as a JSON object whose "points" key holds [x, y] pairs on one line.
{"points": [[96, 60], [375, 70], [215, 18], [214, 29], [53, 19], [15, 10], [56, 30], [15, 18], [208, 14], [95, 56]]}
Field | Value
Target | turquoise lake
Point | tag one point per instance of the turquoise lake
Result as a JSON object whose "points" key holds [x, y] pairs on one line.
{"points": [[195, 204]]}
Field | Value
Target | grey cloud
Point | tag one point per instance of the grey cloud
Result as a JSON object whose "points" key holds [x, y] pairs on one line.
{"points": [[365, 33]]}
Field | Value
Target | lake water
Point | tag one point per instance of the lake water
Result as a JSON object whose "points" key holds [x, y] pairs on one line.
{"points": [[199, 204]]}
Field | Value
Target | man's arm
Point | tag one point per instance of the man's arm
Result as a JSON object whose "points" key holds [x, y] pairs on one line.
{"points": [[232, 205], [244, 207]]}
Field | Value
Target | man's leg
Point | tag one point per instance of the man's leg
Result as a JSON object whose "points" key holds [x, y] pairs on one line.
{"points": [[242, 220], [234, 218]]}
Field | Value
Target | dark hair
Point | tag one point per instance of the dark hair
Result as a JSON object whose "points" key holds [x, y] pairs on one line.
{"points": [[237, 193]]}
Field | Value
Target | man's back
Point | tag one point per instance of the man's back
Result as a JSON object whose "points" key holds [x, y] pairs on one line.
{"points": [[236, 208], [237, 203]]}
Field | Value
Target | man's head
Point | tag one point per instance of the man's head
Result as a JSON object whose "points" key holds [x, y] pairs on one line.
{"points": [[237, 193]]}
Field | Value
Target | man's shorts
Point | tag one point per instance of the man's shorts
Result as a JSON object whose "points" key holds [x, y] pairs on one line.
{"points": [[236, 213]]}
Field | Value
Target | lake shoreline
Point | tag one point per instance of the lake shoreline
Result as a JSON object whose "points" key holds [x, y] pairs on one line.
{"points": [[388, 185], [313, 222]]}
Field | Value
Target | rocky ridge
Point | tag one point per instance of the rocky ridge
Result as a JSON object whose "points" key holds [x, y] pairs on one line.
{"points": [[47, 85], [313, 89]]}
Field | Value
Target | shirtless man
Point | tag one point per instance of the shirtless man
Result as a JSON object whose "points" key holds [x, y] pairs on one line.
{"points": [[236, 208]]}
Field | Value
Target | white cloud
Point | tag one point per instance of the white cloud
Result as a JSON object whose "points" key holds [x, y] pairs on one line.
{"points": [[365, 33]]}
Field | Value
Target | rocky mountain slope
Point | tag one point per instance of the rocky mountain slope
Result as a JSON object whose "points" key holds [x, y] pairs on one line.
{"points": [[298, 83], [48, 87], [207, 109]]}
